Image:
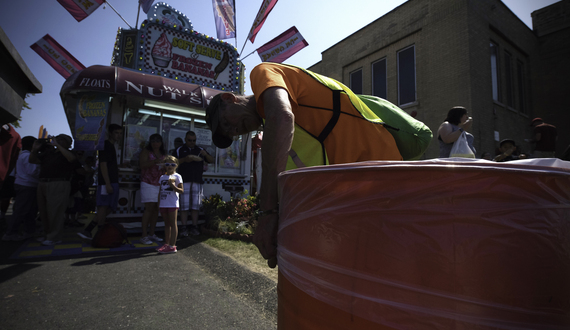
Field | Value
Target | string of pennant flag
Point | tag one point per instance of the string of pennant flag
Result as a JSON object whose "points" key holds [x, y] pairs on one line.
{"points": [[277, 50]]}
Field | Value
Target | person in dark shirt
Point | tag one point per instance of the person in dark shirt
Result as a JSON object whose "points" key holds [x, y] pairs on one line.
{"points": [[108, 181], [508, 149], [191, 159], [544, 138], [57, 164]]}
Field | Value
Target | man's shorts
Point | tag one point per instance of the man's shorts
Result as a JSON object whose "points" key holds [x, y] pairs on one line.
{"points": [[149, 193], [192, 197], [109, 200]]}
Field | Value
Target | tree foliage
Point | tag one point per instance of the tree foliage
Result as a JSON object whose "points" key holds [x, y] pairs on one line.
{"points": [[26, 105]]}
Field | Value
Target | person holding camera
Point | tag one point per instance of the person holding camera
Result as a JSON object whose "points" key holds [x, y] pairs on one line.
{"points": [[57, 164]]}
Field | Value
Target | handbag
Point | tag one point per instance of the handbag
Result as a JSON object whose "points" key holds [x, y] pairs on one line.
{"points": [[461, 148]]}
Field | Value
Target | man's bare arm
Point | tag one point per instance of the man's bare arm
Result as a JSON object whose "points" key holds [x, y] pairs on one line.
{"points": [[277, 139]]}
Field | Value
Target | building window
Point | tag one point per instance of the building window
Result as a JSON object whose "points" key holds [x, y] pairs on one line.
{"points": [[379, 86], [521, 83], [356, 81], [509, 80], [495, 72], [407, 75]]}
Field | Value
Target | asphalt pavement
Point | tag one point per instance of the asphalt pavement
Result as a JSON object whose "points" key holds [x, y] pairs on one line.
{"points": [[196, 288]]}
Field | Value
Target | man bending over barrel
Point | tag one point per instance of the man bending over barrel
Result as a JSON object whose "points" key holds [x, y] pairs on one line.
{"points": [[308, 120]]}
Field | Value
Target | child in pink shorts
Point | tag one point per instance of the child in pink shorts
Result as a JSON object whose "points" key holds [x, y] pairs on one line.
{"points": [[170, 186]]}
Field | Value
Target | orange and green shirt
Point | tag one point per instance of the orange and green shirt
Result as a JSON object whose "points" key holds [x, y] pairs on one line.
{"points": [[354, 138]]}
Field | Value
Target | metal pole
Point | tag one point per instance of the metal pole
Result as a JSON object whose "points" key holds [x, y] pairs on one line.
{"points": [[248, 55], [138, 12], [243, 47], [235, 21], [118, 14]]}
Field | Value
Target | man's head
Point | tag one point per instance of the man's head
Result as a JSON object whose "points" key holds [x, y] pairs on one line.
{"points": [[213, 111], [536, 121], [178, 142], [28, 142], [506, 145], [230, 115], [115, 132], [64, 140], [190, 139]]}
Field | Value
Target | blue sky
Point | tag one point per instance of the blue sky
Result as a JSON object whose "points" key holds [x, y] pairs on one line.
{"points": [[91, 41]]}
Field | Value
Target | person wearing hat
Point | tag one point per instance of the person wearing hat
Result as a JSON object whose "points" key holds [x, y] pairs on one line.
{"points": [[57, 164], [306, 122], [544, 138], [508, 149]]}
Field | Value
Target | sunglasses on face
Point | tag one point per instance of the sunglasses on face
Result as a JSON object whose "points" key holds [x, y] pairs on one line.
{"points": [[189, 140], [154, 141], [169, 164]]}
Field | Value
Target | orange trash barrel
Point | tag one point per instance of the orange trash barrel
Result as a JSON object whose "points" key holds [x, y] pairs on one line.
{"points": [[438, 244]]}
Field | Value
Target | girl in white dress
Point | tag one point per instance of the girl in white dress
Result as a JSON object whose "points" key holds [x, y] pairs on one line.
{"points": [[170, 186]]}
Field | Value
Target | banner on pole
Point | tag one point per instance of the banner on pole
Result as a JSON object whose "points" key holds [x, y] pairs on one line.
{"points": [[80, 9], [265, 9], [282, 47], [224, 16], [90, 121], [56, 56]]}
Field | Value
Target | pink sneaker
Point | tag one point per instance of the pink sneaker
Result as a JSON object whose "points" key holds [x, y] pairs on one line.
{"points": [[161, 248], [168, 249]]}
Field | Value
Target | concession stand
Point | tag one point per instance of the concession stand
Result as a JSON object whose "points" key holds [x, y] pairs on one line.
{"points": [[161, 79]]}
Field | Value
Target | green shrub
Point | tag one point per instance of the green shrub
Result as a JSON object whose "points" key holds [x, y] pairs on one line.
{"points": [[238, 215]]}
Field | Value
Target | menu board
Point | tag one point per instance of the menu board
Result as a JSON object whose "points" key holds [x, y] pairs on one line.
{"points": [[137, 138]]}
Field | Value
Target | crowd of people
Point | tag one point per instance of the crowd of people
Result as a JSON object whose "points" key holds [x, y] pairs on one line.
{"points": [[46, 177], [458, 123], [50, 181]]}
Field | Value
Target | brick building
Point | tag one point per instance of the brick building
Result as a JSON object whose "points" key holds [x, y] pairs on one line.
{"points": [[430, 55]]}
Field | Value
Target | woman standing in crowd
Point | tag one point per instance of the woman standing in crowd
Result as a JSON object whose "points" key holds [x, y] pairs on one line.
{"points": [[150, 158], [450, 130]]}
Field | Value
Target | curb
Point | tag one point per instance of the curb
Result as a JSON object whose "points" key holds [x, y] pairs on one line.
{"points": [[252, 287]]}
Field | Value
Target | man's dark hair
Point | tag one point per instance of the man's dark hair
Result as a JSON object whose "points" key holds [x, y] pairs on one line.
{"points": [[28, 142], [213, 122], [213, 108], [454, 115], [114, 127], [191, 133]]}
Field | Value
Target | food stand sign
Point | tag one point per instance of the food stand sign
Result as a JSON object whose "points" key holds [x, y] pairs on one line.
{"points": [[90, 121], [167, 46], [203, 136]]}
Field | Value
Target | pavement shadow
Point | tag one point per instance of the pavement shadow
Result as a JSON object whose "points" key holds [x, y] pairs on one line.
{"points": [[15, 270], [111, 259]]}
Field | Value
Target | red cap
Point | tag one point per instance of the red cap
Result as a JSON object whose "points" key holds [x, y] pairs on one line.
{"points": [[535, 120]]}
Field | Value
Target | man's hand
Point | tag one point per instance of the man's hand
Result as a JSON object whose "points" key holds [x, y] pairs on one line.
{"points": [[109, 188], [265, 237], [193, 158], [55, 143]]}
